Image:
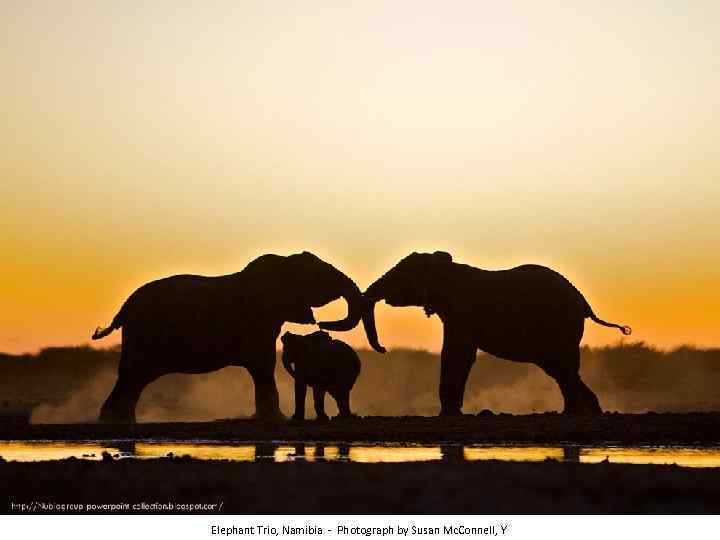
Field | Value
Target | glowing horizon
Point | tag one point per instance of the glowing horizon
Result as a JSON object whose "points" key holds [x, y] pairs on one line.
{"points": [[145, 141]]}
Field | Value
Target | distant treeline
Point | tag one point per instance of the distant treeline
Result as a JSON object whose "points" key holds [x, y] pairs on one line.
{"points": [[68, 384]]}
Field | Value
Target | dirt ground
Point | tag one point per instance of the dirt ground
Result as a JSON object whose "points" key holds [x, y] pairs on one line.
{"points": [[351, 488], [549, 428]]}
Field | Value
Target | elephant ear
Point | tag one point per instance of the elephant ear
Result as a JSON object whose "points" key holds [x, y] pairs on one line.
{"points": [[276, 291], [298, 311], [435, 270], [441, 257], [436, 265], [290, 301]]}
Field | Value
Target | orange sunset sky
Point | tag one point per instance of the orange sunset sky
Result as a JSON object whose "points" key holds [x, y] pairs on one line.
{"points": [[143, 139]]}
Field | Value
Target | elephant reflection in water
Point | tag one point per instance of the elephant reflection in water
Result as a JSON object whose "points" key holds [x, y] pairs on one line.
{"points": [[452, 453], [197, 324]]}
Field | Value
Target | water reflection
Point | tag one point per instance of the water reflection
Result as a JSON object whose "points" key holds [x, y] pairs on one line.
{"points": [[685, 457], [361, 453], [396, 454], [50, 451], [513, 453], [198, 451], [452, 453]]}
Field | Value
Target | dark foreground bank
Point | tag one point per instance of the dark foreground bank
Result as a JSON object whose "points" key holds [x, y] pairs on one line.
{"points": [[549, 428], [349, 488]]}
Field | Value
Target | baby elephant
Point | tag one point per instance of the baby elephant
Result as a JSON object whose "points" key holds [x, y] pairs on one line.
{"points": [[326, 365]]}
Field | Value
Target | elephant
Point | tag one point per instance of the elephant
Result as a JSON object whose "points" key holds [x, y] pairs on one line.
{"points": [[526, 314], [326, 365], [197, 324]]}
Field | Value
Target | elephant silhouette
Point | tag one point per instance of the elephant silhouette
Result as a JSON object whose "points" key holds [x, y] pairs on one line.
{"points": [[527, 314], [324, 364], [196, 324]]}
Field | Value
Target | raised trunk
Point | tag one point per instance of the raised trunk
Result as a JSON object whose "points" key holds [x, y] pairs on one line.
{"points": [[354, 299], [357, 309]]}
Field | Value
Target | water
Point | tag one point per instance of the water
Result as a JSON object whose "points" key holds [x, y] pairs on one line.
{"points": [[355, 452]]}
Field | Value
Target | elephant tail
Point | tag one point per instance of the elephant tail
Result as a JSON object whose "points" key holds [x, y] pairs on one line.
{"points": [[116, 323], [626, 330]]}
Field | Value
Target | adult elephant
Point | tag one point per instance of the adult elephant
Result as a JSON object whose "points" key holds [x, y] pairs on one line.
{"points": [[197, 324], [526, 314]]}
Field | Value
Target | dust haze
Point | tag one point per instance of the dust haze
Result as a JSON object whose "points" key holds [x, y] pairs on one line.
{"points": [[61, 385]]}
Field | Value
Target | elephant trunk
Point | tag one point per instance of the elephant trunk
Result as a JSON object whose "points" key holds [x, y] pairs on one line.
{"points": [[371, 297], [357, 310], [352, 295]]}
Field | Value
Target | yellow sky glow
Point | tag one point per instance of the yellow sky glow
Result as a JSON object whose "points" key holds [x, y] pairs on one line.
{"points": [[147, 140]]}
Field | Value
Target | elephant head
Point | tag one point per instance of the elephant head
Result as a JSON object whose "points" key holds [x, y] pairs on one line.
{"points": [[297, 283], [408, 283], [296, 346]]}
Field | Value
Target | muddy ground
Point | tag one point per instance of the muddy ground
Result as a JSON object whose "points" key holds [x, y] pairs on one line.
{"points": [[550, 428], [353, 488]]}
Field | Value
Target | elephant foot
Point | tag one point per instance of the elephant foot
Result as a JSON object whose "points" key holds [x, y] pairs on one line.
{"points": [[110, 416], [579, 399], [583, 412], [274, 417], [446, 413], [297, 419], [346, 416], [587, 407], [322, 418]]}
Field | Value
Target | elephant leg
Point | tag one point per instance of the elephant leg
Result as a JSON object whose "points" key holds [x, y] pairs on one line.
{"points": [[342, 398], [578, 398], [267, 405], [319, 401], [456, 359], [119, 407], [300, 392]]}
